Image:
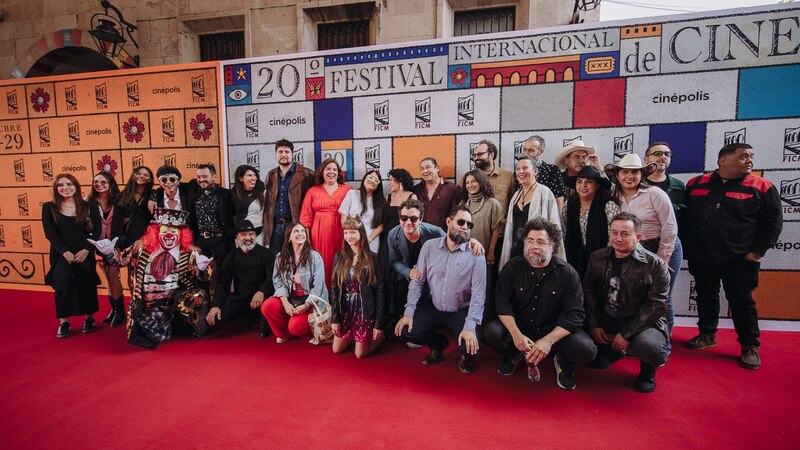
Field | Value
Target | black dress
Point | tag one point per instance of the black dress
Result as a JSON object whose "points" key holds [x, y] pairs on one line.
{"points": [[394, 296], [137, 218], [75, 285]]}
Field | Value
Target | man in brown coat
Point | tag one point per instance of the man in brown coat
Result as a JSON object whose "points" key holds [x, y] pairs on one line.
{"points": [[286, 186]]}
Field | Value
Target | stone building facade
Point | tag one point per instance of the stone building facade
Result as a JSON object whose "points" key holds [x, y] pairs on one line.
{"points": [[169, 30]]}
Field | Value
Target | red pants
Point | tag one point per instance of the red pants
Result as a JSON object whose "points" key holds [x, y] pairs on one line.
{"points": [[283, 325]]}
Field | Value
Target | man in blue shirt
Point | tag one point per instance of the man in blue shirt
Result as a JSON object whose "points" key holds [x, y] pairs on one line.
{"points": [[456, 279], [286, 186]]}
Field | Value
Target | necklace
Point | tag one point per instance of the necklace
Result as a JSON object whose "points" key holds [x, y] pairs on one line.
{"points": [[480, 206], [525, 193]]}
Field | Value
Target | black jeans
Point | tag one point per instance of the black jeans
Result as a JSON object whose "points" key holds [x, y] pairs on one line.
{"points": [[427, 319], [738, 278], [576, 350], [239, 307], [276, 239]]}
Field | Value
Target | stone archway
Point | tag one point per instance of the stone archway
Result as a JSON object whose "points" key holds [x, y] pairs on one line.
{"points": [[67, 51]]}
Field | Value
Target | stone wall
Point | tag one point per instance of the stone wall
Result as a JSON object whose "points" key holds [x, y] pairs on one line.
{"points": [[168, 30]]}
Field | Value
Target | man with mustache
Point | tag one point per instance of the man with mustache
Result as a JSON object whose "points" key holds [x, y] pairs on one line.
{"points": [[732, 218], [244, 281], [456, 280], [539, 302], [436, 194], [286, 187], [502, 180]]}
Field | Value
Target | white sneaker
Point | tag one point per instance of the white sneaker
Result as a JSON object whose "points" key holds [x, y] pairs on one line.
{"points": [[281, 341]]}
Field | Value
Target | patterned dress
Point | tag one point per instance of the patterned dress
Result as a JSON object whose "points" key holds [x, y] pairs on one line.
{"points": [[354, 325]]}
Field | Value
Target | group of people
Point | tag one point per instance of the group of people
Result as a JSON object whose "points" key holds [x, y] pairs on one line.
{"points": [[566, 259]]}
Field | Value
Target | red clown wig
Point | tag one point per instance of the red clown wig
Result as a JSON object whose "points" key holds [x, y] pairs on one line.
{"points": [[152, 242]]}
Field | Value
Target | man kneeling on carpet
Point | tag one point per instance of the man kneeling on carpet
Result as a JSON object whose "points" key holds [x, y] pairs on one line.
{"points": [[539, 303], [243, 281], [625, 289], [165, 266], [456, 279]]}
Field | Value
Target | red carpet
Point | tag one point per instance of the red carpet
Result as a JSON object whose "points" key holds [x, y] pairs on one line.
{"points": [[233, 390]]}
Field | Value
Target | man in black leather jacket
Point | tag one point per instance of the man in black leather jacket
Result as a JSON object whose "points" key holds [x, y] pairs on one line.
{"points": [[625, 290]]}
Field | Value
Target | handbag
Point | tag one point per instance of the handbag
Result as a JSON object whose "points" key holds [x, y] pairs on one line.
{"points": [[297, 300], [319, 321]]}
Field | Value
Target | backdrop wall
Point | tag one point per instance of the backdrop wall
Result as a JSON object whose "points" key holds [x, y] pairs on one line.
{"points": [[696, 81]]}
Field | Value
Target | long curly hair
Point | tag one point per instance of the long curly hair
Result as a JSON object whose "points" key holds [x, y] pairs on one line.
{"points": [[365, 268], [151, 242]]}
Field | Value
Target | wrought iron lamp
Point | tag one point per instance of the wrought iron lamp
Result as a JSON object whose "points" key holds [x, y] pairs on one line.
{"points": [[107, 36]]}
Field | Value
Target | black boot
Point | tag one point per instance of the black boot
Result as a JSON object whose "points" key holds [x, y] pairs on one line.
{"points": [[110, 316], [118, 308], [646, 381], [263, 328], [142, 341]]}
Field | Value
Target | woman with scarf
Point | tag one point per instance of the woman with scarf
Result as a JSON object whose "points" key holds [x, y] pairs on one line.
{"points": [[586, 215]]}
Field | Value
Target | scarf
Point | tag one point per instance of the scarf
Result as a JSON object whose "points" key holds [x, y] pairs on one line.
{"points": [[596, 232], [162, 265]]}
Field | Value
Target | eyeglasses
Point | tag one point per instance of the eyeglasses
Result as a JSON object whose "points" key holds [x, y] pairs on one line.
{"points": [[539, 242], [659, 153], [413, 219], [168, 179], [461, 222], [478, 154]]}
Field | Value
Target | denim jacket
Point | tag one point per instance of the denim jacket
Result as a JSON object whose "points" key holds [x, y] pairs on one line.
{"points": [[312, 277]]}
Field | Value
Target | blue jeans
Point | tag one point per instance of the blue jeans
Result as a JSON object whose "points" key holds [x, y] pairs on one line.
{"points": [[675, 270], [276, 240]]}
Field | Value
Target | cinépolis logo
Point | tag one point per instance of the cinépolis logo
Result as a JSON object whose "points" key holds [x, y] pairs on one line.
{"points": [[699, 96]]}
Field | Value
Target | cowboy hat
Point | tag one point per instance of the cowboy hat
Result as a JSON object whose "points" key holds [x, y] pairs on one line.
{"points": [[246, 225], [573, 146], [629, 161], [589, 172]]}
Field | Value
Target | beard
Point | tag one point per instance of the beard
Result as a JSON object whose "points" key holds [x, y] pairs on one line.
{"points": [[247, 247], [537, 260], [481, 164], [459, 237]]}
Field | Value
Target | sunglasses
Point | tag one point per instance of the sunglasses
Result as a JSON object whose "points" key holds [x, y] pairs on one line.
{"points": [[461, 222], [168, 179], [413, 219], [659, 153]]}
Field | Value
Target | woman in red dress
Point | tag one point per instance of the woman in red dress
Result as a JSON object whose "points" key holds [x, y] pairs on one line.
{"points": [[320, 213]]}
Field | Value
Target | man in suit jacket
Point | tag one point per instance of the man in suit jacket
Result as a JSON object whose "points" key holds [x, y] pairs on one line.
{"points": [[286, 186]]}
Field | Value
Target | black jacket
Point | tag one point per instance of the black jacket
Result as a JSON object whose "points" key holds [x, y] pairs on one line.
{"points": [[249, 272], [724, 221], [644, 285], [372, 301]]}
